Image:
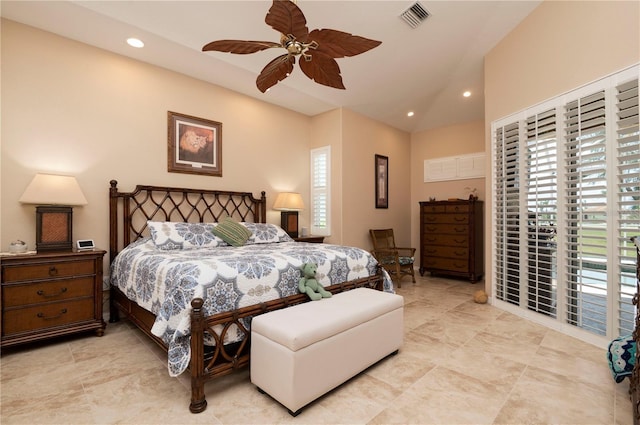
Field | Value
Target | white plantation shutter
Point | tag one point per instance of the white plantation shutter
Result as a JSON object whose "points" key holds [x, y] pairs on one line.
{"points": [[542, 209], [507, 204], [585, 221], [320, 185], [566, 181], [628, 199]]}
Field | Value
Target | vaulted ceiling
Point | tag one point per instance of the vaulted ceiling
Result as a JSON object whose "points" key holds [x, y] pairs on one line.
{"points": [[423, 69]]}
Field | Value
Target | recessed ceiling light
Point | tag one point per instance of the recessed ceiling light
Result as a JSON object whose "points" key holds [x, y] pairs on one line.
{"points": [[134, 42], [410, 113], [466, 94]]}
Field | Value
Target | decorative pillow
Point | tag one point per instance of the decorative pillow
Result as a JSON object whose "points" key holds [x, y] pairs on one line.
{"points": [[168, 235], [621, 355], [266, 233], [232, 232]]}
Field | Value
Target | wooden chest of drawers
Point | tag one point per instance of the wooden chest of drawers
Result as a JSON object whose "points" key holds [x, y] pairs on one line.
{"points": [[52, 294], [451, 238]]}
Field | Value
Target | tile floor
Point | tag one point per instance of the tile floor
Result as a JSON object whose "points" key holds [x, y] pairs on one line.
{"points": [[461, 363]]}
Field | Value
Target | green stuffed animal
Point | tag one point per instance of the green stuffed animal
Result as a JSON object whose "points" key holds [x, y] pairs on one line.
{"points": [[309, 285]]}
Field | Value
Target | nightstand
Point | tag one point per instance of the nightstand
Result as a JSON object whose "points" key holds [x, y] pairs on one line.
{"points": [[310, 238], [50, 294]]}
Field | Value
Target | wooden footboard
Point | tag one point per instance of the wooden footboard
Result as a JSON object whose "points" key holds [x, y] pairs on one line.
{"points": [[210, 362]]}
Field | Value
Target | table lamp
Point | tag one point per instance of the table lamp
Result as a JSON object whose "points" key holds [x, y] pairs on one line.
{"points": [[55, 196], [289, 203]]}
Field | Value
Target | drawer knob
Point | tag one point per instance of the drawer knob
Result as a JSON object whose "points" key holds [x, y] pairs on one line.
{"points": [[53, 271], [42, 294], [42, 316]]}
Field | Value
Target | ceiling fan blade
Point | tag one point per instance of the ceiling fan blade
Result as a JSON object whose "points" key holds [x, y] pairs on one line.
{"points": [[322, 69], [338, 44], [240, 47], [287, 18], [275, 71]]}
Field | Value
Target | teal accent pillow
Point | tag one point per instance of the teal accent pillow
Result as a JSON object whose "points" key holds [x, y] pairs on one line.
{"points": [[232, 232]]}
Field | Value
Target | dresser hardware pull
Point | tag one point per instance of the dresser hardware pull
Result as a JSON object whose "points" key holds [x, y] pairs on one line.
{"points": [[53, 271], [62, 291], [42, 316], [460, 241], [460, 219]]}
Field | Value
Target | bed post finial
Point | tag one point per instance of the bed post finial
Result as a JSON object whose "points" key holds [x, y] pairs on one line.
{"points": [[113, 183]]}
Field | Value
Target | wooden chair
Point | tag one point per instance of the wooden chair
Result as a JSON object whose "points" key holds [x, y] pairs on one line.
{"points": [[397, 261]]}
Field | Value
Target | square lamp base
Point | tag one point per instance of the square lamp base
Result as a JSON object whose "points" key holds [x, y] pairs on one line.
{"points": [[53, 228], [289, 222]]}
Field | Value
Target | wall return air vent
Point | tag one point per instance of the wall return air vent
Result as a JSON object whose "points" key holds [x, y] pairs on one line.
{"points": [[415, 15]]}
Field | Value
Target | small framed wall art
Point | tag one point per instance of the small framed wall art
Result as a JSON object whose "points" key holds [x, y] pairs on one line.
{"points": [[194, 145], [382, 181]]}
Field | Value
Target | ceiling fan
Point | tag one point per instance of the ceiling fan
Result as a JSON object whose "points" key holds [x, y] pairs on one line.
{"points": [[317, 49]]}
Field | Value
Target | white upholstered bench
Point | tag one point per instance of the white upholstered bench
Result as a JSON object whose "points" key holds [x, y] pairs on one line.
{"points": [[301, 352]]}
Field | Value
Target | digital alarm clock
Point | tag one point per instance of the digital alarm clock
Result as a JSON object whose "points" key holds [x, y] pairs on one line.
{"points": [[85, 244]]}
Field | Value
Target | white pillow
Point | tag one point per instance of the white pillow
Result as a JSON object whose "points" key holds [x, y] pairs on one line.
{"points": [[266, 233], [168, 235]]}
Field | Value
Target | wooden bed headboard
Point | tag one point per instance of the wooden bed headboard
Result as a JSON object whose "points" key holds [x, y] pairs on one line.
{"points": [[130, 211]]}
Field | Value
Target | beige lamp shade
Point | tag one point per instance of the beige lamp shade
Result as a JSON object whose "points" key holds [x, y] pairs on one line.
{"points": [[288, 201], [50, 189]]}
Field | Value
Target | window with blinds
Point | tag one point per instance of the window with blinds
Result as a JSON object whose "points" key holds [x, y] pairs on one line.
{"points": [[320, 193], [566, 183]]}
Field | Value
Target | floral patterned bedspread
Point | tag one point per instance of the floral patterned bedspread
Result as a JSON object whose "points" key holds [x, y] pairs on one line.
{"points": [[164, 282]]}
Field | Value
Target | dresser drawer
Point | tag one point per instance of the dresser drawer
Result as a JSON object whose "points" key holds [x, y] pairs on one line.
{"points": [[461, 239], [43, 270], [447, 251], [47, 315], [446, 218], [459, 208], [450, 264], [46, 291], [434, 209], [447, 229]]}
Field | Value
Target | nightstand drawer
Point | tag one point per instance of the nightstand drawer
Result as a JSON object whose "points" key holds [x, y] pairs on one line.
{"points": [[41, 292], [47, 315], [26, 272]]}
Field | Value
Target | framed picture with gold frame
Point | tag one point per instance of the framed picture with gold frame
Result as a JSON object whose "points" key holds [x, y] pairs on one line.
{"points": [[194, 145]]}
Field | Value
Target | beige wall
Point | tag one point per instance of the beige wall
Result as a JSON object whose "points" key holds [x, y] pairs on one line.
{"points": [[70, 108], [362, 138], [442, 142], [558, 47]]}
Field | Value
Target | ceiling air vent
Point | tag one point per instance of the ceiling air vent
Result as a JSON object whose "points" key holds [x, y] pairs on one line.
{"points": [[415, 15]]}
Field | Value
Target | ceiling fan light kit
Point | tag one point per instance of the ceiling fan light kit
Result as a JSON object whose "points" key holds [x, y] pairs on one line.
{"points": [[318, 49]]}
